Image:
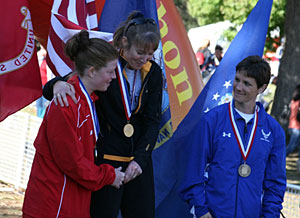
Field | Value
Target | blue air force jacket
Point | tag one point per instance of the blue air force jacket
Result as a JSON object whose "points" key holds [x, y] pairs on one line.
{"points": [[215, 152]]}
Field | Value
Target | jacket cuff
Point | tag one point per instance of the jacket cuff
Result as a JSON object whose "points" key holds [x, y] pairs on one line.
{"points": [[142, 162], [48, 88], [111, 175]]}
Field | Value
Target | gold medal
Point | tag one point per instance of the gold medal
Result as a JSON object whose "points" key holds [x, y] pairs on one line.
{"points": [[244, 170], [128, 130]]}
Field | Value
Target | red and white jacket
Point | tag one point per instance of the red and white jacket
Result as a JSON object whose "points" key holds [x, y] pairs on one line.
{"points": [[63, 173], [293, 122]]}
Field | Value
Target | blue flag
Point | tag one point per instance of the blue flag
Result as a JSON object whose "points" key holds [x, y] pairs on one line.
{"points": [[116, 12], [250, 40]]}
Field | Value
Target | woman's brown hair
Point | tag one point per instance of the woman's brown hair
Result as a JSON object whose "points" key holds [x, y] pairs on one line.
{"points": [[140, 31], [86, 52]]}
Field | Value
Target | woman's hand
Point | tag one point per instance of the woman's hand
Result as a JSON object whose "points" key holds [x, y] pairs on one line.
{"points": [[119, 178], [60, 91], [133, 170], [207, 215]]}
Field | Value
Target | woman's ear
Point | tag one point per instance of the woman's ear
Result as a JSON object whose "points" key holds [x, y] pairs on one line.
{"points": [[262, 88], [124, 41], [91, 72]]}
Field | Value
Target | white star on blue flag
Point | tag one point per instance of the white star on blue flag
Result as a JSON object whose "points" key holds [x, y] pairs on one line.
{"points": [[227, 84]]}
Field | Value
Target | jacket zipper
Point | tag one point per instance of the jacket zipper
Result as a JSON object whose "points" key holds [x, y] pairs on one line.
{"points": [[137, 109], [238, 176], [141, 94], [236, 194]]}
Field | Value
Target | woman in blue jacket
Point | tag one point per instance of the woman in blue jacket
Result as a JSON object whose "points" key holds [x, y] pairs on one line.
{"points": [[237, 165]]}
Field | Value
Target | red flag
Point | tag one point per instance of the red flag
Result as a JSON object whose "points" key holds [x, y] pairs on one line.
{"points": [[20, 81], [68, 18], [40, 11]]}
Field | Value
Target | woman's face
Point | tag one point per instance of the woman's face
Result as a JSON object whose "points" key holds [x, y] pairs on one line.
{"points": [[136, 57], [104, 76], [245, 88]]}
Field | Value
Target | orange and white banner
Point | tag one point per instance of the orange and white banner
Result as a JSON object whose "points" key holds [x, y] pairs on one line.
{"points": [[182, 71]]}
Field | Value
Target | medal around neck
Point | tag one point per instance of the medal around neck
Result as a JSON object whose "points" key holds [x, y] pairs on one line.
{"points": [[244, 170], [128, 130]]}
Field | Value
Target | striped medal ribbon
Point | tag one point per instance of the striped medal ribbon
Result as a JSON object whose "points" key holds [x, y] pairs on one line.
{"points": [[92, 112], [128, 128], [244, 169]]}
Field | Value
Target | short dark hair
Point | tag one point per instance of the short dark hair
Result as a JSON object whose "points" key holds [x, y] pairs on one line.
{"points": [[296, 94], [218, 47], [256, 68]]}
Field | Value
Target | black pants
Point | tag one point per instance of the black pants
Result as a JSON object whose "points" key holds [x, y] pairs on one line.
{"points": [[135, 199]]}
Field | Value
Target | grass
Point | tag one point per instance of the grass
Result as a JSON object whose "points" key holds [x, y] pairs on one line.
{"points": [[11, 200]]}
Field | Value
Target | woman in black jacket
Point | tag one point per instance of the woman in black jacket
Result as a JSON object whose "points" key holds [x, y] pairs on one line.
{"points": [[129, 114]]}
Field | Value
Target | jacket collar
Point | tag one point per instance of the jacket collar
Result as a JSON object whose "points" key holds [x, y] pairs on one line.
{"points": [[74, 80], [261, 113], [144, 71]]}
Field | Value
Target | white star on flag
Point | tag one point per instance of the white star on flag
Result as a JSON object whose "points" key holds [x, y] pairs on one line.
{"points": [[216, 96], [227, 84], [207, 109]]}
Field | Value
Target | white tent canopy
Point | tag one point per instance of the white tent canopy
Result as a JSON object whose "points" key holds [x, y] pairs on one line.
{"points": [[213, 32]]}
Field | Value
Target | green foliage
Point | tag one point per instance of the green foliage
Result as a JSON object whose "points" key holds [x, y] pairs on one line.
{"points": [[276, 22], [188, 20], [230, 33], [212, 11]]}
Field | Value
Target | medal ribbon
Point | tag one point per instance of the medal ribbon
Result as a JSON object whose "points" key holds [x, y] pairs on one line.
{"points": [[92, 109], [124, 91], [245, 153]]}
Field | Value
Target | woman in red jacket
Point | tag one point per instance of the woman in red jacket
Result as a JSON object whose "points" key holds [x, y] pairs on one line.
{"points": [[63, 173], [294, 125], [129, 114]]}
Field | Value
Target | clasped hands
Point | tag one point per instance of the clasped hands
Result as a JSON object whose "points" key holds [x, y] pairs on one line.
{"points": [[60, 91], [133, 170]]}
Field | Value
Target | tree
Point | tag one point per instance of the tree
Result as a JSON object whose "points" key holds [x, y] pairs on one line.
{"points": [[289, 73], [212, 11], [188, 20]]}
